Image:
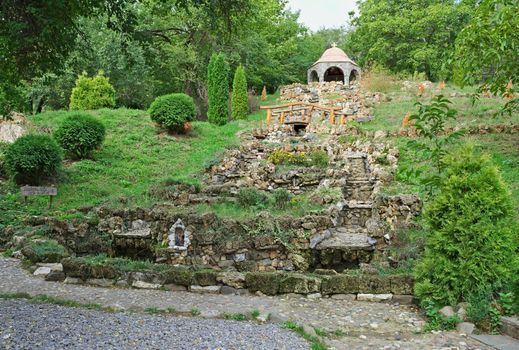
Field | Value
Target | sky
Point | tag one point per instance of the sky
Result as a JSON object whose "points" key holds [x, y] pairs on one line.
{"points": [[316, 14]]}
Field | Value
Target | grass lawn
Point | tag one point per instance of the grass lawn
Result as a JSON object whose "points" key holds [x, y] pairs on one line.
{"points": [[134, 157]]}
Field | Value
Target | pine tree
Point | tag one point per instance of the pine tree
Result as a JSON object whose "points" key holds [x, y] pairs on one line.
{"points": [[239, 94], [218, 90], [264, 94]]}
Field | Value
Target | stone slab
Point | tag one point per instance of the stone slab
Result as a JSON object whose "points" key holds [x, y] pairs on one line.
{"points": [[374, 297], [499, 342], [145, 285], [42, 271], [510, 326], [205, 289]]}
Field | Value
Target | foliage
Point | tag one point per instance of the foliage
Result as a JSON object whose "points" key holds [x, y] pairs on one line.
{"points": [[173, 111], [239, 94], [252, 197], [430, 121], [378, 79], [486, 49], [49, 251], [437, 321], [316, 344], [92, 93], [408, 36], [318, 158], [33, 158], [80, 134], [281, 198], [481, 310], [284, 157], [218, 90], [472, 242], [506, 303]]}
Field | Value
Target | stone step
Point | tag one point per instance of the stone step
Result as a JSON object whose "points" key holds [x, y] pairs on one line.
{"points": [[358, 204], [142, 233], [346, 240], [500, 342], [510, 326]]}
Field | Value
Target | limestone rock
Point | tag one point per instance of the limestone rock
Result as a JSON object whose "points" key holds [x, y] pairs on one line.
{"points": [[374, 297], [205, 289], [145, 285], [465, 328], [42, 271], [447, 311], [232, 279]]}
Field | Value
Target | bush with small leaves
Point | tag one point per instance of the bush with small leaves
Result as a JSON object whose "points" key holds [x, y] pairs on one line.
{"points": [[80, 134], [252, 197], [282, 198], [92, 93], [173, 111], [32, 159]]}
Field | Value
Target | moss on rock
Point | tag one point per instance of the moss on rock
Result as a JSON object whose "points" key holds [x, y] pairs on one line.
{"points": [[205, 278], [402, 284], [340, 284], [265, 282], [300, 284]]}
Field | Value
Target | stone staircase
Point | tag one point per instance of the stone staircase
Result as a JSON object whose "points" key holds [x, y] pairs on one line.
{"points": [[348, 244]]}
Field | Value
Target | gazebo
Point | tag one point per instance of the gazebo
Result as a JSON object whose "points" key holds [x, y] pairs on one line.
{"points": [[334, 65]]}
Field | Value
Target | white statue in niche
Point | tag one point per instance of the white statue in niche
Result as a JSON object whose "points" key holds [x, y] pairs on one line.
{"points": [[178, 236]]}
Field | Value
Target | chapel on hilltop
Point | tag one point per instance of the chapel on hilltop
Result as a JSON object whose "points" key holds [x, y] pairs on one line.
{"points": [[334, 65]]}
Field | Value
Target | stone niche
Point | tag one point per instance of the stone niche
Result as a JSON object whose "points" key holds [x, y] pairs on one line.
{"points": [[179, 238]]}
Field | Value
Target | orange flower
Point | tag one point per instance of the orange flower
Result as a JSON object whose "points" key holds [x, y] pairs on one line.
{"points": [[421, 89], [406, 122], [441, 85], [509, 94]]}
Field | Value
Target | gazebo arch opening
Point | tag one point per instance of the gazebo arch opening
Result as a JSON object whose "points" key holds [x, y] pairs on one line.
{"points": [[314, 77], [334, 74], [354, 76]]}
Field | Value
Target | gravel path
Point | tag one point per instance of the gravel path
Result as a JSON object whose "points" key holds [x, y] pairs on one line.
{"points": [[366, 325], [30, 326]]}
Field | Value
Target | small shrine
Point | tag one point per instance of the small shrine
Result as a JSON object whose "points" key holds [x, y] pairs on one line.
{"points": [[334, 65]]}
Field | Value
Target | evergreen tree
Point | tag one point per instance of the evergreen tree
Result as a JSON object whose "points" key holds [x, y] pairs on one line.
{"points": [[472, 244], [239, 94], [218, 89]]}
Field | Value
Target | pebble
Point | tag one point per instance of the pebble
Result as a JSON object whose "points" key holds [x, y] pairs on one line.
{"points": [[30, 326]]}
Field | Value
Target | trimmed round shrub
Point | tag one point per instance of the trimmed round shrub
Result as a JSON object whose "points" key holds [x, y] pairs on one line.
{"points": [[472, 241], [92, 93], [80, 134], [173, 111], [31, 159]]}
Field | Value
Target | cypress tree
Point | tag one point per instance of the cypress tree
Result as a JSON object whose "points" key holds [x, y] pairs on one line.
{"points": [[218, 90], [239, 94]]}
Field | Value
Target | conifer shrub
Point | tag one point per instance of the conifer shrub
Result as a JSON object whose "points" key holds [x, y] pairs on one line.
{"points": [[239, 94], [92, 93], [173, 111], [80, 134], [31, 159], [218, 90], [472, 241]]}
